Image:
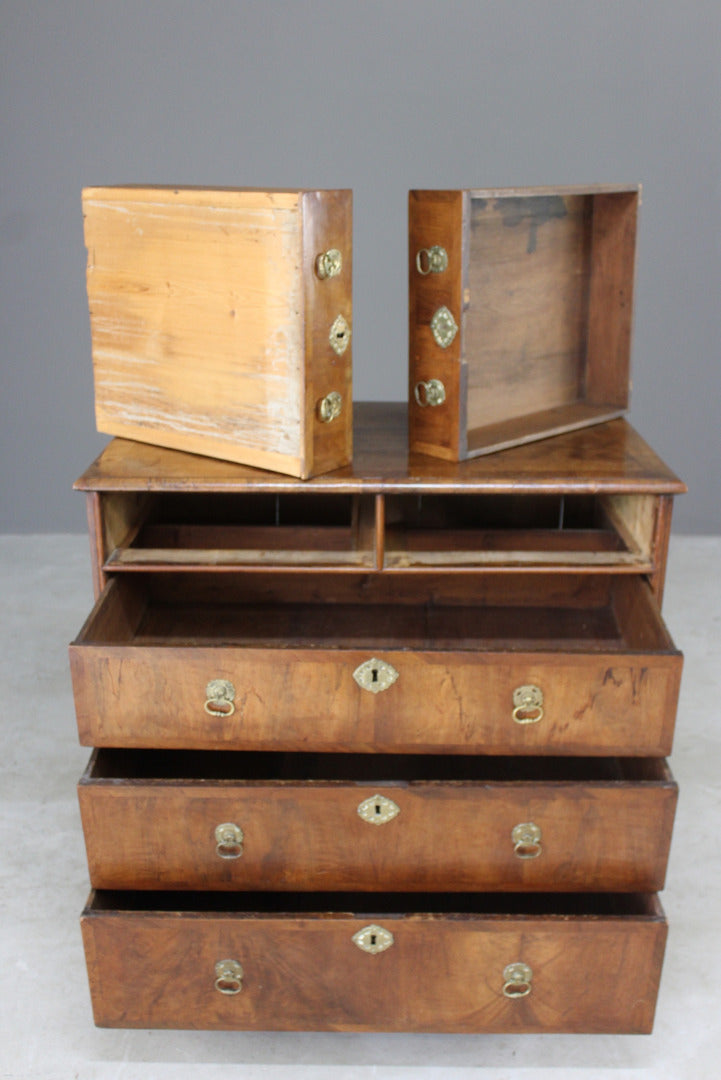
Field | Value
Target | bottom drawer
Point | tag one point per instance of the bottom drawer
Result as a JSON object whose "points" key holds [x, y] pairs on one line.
{"points": [[335, 962]]}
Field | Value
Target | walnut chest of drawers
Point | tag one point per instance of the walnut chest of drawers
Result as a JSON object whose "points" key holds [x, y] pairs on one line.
{"points": [[384, 750]]}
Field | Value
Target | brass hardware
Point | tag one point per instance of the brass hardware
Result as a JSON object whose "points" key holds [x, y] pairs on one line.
{"points": [[375, 675], [228, 977], [527, 704], [329, 264], [430, 393], [329, 407], [517, 980], [378, 810], [373, 939], [444, 327], [228, 841], [220, 695], [436, 260], [339, 335], [526, 840]]}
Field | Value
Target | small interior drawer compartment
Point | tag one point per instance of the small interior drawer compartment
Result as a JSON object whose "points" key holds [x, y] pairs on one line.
{"points": [[595, 533], [302, 822], [494, 663], [201, 531], [386, 962]]}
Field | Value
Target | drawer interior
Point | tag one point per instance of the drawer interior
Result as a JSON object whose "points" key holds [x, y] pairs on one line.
{"points": [[489, 612], [181, 766], [594, 531], [328, 905], [257, 528], [307, 529], [550, 282]]}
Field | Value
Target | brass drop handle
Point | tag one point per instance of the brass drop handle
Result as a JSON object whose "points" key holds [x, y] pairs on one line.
{"points": [[432, 260], [228, 841], [329, 407], [220, 698], [329, 264], [527, 704], [526, 840], [228, 977], [517, 980], [430, 393]]}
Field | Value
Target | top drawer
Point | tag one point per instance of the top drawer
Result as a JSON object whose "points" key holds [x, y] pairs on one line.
{"points": [[533, 664]]}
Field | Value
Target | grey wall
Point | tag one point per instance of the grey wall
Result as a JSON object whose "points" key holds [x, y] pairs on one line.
{"points": [[375, 96]]}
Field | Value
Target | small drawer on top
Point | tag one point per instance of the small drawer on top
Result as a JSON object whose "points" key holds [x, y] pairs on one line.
{"points": [[187, 530], [458, 963], [304, 822], [497, 664]]}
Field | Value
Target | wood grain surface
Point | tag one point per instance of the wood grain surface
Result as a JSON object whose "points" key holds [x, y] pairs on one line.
{"points": [[604, 825], [595, 963], [198, 311]]}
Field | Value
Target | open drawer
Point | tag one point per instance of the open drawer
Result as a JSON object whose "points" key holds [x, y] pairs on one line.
{"points": [[614, 533], [223, 820], [176, 530], [536, 664], [463, 963]]}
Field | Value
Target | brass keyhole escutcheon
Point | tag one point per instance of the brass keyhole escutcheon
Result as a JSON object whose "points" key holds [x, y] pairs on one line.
{"points": [[378, 810], [526, 840], [443, 327], [432, 260], [329, 264], [339, 335], [228, 841], [430, 393], [517, 980], [373, 939], [329, 407], [220, 698], [228, 977], [375, 675], [527, 704]]}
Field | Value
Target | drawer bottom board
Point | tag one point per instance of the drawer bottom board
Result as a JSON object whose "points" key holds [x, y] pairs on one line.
{"points": [[339, 962]]}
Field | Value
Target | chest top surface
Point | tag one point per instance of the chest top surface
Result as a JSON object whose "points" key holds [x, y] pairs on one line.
{"points": [[610, 457]]}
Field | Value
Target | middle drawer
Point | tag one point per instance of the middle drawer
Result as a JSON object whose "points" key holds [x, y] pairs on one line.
{"points": [[232, 820]]}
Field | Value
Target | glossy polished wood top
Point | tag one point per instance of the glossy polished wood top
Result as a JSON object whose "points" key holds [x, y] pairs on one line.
{"points": [[609, 457]]}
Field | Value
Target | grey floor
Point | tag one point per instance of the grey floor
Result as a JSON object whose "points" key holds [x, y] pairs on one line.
{"points": [[46, 1026]]}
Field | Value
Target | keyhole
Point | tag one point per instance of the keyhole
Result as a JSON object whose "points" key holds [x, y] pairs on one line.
{"points": [[378, 808], [373, 939], [374, 675]]}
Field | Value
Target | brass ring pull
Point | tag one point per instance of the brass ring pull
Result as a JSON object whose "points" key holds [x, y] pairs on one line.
{"points": [[228, 841], [527, 705], [220, 698], [329, 407], [526, 839], [228, 977], [429, 393], [517, 980], [329, 264], [435, 261]]}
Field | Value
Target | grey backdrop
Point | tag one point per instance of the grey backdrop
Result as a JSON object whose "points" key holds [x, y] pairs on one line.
{"points": [[375, 96]]}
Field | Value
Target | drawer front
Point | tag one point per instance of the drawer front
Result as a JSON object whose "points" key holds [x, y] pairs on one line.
{"points": [[314, 835], [422, 973], [301, 699]]}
